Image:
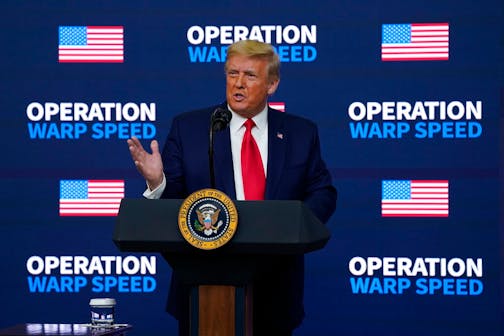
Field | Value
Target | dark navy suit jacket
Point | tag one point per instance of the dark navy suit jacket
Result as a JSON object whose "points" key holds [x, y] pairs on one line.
{"points": [[295, 171]]}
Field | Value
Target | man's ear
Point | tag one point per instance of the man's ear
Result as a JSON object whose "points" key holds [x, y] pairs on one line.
{"points": [[273, 85]]}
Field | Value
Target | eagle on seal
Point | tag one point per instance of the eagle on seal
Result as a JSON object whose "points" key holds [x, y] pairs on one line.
{"points": [[208, 219]]}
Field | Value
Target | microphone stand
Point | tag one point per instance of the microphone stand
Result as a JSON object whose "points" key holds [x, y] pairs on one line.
{"points": [[211, 159], [218, 121]]}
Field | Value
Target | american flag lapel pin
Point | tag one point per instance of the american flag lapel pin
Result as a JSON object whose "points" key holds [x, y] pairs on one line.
{"points": [[280, 135]]}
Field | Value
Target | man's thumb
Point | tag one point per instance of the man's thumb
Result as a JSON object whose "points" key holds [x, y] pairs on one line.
{"points": [[154, 146]]}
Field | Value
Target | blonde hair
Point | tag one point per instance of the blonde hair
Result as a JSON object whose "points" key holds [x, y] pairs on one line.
{"points": [[252, 48]]}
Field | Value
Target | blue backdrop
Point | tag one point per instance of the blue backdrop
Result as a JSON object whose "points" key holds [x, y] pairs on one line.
{"points": [[380, 121]]}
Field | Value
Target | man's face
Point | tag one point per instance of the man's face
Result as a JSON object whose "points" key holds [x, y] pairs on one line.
{"points": [[248, 85]]}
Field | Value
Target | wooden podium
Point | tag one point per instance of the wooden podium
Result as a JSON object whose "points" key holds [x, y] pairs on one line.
{"points": [[221, 279]]}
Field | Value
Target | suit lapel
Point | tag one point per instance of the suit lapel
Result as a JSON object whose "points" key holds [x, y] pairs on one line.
{"points": [[223, 163], [276, 152]]}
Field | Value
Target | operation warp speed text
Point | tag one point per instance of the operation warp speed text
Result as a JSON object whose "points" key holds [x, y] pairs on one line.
{"points": [[421, 120], [293, 43], [100, 274], [420, 276], [99, 121]]}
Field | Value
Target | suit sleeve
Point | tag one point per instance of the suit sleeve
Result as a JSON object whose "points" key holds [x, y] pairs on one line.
{"points": [[173, 165], [320, 194]]}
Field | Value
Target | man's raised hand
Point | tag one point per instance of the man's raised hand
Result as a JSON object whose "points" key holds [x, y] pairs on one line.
{"points": [[149, 165]]}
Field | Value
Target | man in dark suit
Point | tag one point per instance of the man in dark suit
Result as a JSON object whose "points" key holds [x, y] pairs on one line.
{"points": [[285, 164]]}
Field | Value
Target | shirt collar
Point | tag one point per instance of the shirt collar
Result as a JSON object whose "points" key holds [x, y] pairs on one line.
{"points": [[237, 121]]}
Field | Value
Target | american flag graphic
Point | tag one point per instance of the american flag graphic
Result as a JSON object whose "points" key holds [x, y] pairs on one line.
{"points": [[415, 42], [414, 198], [277, 106], [91, 44], [90, 197]]}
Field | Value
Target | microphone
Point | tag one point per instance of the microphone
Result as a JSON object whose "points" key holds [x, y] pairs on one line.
{"points": [[219, 120]]}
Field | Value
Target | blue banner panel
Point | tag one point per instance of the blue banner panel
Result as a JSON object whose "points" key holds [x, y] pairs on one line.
{"points": [[408, 100]]}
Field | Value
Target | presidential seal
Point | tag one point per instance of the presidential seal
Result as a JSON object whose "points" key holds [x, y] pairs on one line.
{"points": [[207, 219]]}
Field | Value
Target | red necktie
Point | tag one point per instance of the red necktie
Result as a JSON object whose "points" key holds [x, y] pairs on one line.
{"points": [[254, 180]]}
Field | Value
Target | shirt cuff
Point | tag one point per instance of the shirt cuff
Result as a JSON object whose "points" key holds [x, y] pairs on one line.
{"points": [[156, 193]]}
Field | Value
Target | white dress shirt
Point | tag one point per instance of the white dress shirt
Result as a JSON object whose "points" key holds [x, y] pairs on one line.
{"points": [[236, 132], [260, 134]]}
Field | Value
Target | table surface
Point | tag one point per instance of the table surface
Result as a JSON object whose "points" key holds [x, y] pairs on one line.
{"points": [[55, 329]]}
